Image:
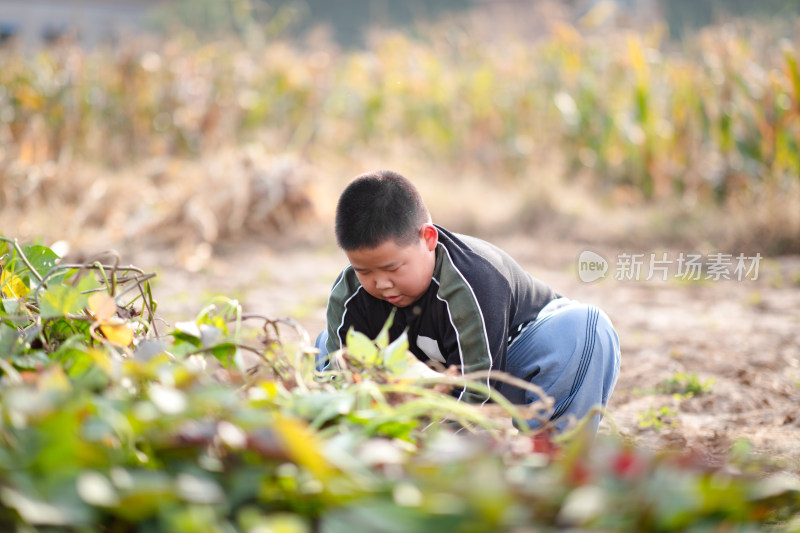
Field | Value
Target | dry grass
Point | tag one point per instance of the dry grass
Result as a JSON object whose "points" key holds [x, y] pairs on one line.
{"points": [[186, 206], [615, 137]]}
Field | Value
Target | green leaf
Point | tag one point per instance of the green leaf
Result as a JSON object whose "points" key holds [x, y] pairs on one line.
{"points": [[196, 518], [382, 340], [251, 519], [61, 300], [86, 284], [81, 368], [10, 340], [395, 356], [224, 351], [63, 328], [207, 337], [793, 72], [219, 320], [30, 360], [360, 347], [387, 516], [142, 493], [187, 332], [61, 511], [322, 407], [188, 328], [42, 258], [9, 306]]}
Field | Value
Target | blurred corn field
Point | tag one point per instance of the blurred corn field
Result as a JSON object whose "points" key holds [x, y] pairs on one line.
{"points": [[710, 119]]}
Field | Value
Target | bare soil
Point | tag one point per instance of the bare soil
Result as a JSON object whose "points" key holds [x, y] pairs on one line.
{"points": [[740, 339]]}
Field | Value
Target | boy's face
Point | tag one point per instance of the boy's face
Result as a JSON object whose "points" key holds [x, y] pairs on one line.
{"points": [[398, 274]]}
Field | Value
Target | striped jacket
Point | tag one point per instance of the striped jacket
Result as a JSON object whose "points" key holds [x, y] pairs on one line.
{"points": [[478, 300]]}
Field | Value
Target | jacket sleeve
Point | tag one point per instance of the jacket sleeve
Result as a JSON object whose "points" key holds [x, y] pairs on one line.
{"points": [[478, 309], [336, 311]]}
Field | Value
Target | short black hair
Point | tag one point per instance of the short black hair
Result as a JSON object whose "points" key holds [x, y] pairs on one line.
{"points": [[376, 207]]}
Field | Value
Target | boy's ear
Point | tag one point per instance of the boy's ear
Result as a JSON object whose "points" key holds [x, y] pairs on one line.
{"points": [[430, 235]]}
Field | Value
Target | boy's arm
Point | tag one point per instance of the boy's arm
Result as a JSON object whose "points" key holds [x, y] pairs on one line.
{"points": [[478, 313], [481, 347], [335, 312]]}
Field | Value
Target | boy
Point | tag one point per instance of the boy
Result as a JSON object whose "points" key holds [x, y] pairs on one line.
{"points": [[463, 302]]}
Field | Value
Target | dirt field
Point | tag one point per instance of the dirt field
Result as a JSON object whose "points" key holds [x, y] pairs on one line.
{"points": [[740, 339]]}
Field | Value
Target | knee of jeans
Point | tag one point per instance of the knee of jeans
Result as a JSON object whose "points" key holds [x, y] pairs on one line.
{"points": [[608, 335], [579, 318], [573, 317], [608, 341]]}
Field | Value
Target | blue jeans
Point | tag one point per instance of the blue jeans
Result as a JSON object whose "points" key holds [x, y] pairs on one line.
{"points": [[571, 351]]}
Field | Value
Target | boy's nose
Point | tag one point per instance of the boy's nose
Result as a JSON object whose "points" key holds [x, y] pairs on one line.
{"points": [[382, 284]]}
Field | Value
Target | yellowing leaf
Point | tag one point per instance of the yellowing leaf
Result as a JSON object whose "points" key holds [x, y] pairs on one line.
{"points": [[264, 390], [102, 306], [303, 446], [117, 334], [12, 285], [636, 54]]}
